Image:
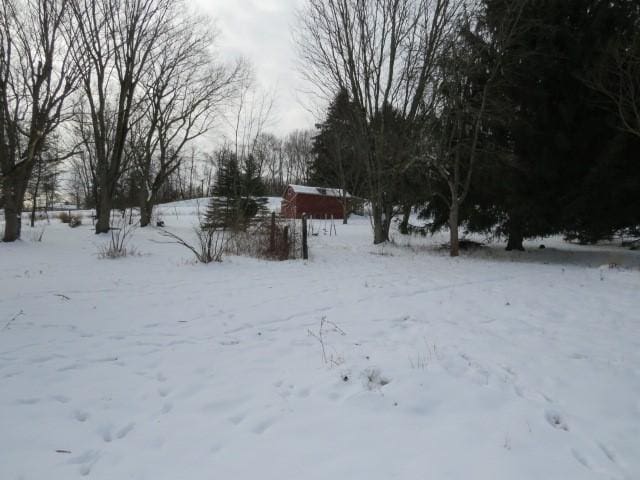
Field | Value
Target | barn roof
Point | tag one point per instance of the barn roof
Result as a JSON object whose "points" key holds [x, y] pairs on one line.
{"points": [[321, 191]]}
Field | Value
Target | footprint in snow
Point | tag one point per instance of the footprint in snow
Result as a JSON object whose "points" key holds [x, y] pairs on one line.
{"points": [[556, 420], [86, 460], [164, 391], [580, 458], [80, 415], [105, 433], [304, 392], [578, 356], [607, 452], [262, 426], [61, 398], [124, 431], [72, 366], [236, 419]]}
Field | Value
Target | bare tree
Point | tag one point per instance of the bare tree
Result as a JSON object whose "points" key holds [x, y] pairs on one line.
{"points": [[248, 117], [181, 91], [297, 147], [117, 45], [618, 80], [36, 78], [270, 161], [84, 164], [468, 78], [384, 53], [45, 175]]}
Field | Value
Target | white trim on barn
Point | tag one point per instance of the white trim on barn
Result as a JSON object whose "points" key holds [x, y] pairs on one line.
{"points": [[325, 192]]}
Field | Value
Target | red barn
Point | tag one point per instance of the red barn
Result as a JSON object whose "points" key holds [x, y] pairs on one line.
{"points": [[316, 202]]}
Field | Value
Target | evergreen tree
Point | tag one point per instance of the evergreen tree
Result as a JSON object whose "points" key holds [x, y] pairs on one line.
{"points": [[568, 169], [337, 160], [237, 194], [251, 183]]}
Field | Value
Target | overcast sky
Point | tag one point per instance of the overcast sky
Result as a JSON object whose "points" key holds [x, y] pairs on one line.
{"points": [[260, 31]]}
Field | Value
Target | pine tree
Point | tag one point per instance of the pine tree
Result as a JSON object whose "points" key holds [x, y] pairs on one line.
{"points": [[565, 166], [335, 159], [237, 194]]}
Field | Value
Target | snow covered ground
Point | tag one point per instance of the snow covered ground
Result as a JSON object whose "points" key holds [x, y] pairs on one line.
{"points": [[488, 366]]}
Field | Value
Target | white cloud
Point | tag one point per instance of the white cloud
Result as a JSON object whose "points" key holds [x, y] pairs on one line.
{"points": [[260, 31]]}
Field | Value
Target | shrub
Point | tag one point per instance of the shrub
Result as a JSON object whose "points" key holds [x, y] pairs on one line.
{"points": [[117, 247], [64, 217], [211, 243], [271, 238], [75, 221]]}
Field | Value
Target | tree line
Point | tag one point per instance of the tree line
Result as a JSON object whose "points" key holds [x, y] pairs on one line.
{"points": [[516, 118], [116, 94], [133, 83]]}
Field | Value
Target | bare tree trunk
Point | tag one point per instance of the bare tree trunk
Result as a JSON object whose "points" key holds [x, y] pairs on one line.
{"points": [[454, 241], [14, 188], [378, 225], [103, 211], [146, 211], [514, 242], [34, 205], [404, 225], [146, 207], [12, 220]]}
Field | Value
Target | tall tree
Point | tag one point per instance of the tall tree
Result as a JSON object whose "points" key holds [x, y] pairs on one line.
{"points": [[338, 160], [616, 74], [118, 42], [36, 79], [181, 92], [468, 102], [384, 53], [237, 192], [558, 127]]}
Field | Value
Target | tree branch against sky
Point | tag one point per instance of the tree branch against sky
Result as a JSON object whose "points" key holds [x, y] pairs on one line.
{"points": [[384, 53]]}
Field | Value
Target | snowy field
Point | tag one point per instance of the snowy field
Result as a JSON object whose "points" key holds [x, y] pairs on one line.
{"points": [[493, 365]]}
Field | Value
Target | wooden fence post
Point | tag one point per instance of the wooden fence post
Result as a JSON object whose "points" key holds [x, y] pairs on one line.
{"points": [[272, 233], [305, 247], [285, 242]]}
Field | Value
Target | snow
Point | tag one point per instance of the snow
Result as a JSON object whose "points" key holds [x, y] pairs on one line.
{"points": [[492, 365], [326, 192]]}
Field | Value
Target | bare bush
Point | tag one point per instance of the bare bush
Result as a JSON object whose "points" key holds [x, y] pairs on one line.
{"points": [[210, 246], [64, 217], [271, 238], [326, 326], [75, 221], [118, 245]]}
